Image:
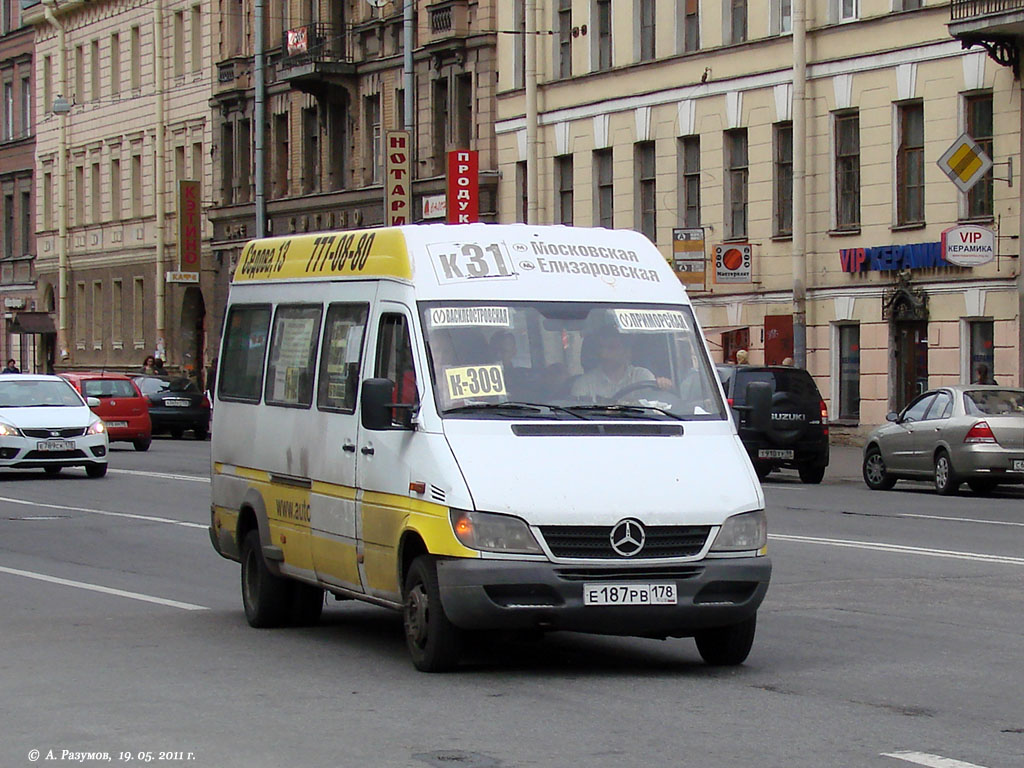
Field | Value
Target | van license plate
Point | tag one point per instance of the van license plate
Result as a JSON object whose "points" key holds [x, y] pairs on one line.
{"points": [[775, 453], [1018, 465], [629, 594], [55, 445]]}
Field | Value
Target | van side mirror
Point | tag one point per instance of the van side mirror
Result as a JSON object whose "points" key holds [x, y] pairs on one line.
{"points": [[378, 406], [759, 400]]}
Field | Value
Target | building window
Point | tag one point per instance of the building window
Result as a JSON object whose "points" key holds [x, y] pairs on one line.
{"points": [[138, 304], [8, 110], [197, 39], [26, 105], [179, 44], [691, 25], [115, 189], [464, 111], [844, 10], [136, 185], [847, 127], [737, 21], [79, 73], [116, 312], [605, 197], [440, 125], [979, 127], [136, 58], [243, 162], [48, 200], [197, 161], [95, 193], [565, 38], [689, 185], [563, 172], [8, 226], [522, 198], [781, 17], [783, 179], [97, 314], [910, 165], [647, 30], [374, 141], [279, 180], [47, 83], [80, 315], [94, 70], [310, 150], [849, 372], [647, 190], [79, 195], [26, 223], [179, 166], [737, 175], [115, 65], [604, 34], [982, 350]]}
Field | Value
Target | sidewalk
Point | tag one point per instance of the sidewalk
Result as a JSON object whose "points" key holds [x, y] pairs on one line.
{"points": [[844, 463]]}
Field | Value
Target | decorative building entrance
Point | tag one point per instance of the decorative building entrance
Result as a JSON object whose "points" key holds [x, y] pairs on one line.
{"points": [[193, 335], [907, 310]]}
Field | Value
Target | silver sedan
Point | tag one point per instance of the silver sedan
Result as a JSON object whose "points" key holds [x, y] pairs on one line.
{"points": [[967, 433]]}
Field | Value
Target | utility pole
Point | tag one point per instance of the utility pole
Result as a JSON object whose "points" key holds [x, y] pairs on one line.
{"points": [[259, 116], [160, 177], [530, 76], [799, 185]]}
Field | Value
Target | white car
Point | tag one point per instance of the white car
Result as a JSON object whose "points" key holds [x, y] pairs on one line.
{"points": [[45, 424]]}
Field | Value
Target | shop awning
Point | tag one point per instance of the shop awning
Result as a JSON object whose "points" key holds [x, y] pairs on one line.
{"points": [[33, 322], [722, 329]]}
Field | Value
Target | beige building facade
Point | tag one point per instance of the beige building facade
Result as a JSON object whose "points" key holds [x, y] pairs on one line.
{"points": [[665, 115], [122, 104]]}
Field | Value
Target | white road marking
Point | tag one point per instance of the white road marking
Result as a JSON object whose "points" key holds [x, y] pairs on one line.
{"points": [[161, 475], [107, 513], [962, 519], [932, 761], [882, 547], [104, 590]]}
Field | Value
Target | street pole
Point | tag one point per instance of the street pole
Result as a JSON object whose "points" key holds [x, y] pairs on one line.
{"points": [[62, 350], [259, 116], [530, 76], [160, 179], [407, 73], [799, 185]]}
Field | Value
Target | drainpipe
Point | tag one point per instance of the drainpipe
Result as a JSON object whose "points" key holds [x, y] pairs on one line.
{"points": [[259, 116], [160, 193], [62, 185], [1020, 261], [799, 185], [530, 76]]}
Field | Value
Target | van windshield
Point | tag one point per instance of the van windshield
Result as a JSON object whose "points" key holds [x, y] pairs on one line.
{"points": [[567, 360]]}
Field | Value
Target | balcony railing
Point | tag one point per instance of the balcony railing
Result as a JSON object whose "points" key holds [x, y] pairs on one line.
{"points": [[318, 42], [970, 9], [448, 18]]}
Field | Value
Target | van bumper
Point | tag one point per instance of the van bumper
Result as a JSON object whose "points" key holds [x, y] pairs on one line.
{"points": [[502, 594]]}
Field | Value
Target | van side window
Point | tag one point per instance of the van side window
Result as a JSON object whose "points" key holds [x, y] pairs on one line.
{"points": [[293, 355], [245, 346], [394, 357], [341, 356]]}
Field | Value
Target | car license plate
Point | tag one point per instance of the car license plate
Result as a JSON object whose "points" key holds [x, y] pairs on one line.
{"points": [[629, 594], [1018, 465], [775, 453], [176, 403], [55, 445], [117, 423]]}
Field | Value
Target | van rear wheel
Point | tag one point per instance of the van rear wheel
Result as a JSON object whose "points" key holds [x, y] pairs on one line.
{"points": [[727, 646], [307, 604], [265, 597], [434, 643]]}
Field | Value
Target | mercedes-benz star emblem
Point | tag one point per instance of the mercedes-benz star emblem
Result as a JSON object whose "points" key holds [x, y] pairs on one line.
{"points": [[628, 537]]}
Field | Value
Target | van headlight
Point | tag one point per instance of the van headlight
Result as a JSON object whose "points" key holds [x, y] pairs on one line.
{"points": [[490, 532], [742, 533], [96, 428], [8, 430]]}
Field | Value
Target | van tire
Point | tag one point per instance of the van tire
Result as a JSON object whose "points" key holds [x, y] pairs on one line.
{"points": [[434, 643], [727, 646], [266, 598], [307, 605]]}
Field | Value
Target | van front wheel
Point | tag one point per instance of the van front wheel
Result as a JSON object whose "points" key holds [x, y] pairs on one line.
{"points": [[435, 644], [727, 646], [265, 597]]}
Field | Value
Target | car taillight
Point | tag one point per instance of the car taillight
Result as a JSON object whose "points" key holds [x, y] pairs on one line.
{"points": [[824, 416], [730, 402], [980, 433], [206, 402]]}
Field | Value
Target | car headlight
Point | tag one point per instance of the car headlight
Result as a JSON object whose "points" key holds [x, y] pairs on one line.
{"points": [[742, 533], [489, 532], [96, 428], [8, 430]]}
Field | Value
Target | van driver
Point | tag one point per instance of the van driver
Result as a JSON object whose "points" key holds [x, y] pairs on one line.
{"points": [[613, 373]]}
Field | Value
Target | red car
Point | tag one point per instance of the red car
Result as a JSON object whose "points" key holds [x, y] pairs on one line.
{"points": [[122, 406]]}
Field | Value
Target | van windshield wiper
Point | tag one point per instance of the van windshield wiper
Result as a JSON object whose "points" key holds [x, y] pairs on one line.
{"points": [[513, 406], [627, 410]]}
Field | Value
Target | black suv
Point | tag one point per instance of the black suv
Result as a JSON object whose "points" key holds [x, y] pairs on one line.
{"points": [[797, 434]]}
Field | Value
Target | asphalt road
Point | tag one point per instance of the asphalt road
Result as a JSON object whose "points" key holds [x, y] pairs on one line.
{"points": [[893, 627]]}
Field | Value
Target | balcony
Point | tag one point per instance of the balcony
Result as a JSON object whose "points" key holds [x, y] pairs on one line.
{"points": [[996, 25], [315, 56]]}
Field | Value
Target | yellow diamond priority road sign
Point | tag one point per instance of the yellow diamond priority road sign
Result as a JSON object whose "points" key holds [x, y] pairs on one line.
{"points": [[965, 163]]}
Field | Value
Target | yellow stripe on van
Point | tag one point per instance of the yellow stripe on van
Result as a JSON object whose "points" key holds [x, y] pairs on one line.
{"points": [[360, 253]]}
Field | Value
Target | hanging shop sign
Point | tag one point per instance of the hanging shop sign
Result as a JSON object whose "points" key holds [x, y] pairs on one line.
{"points": [[887, 258], [190, 225], [688, 259], [463, 186], [434, 206], [398, 198], [732, 263], [969, 245]]}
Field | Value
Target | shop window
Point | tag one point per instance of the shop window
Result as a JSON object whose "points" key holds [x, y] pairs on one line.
{"points": [[849, 373], [982, 350]]}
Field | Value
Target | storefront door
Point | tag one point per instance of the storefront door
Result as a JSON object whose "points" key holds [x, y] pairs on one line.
{"points": [[911, 360]]}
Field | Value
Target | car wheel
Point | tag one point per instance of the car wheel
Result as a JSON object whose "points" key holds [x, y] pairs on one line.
{"points": [[982, 487], [52, 471], [945, 478], [143, 444], [95, 470], [727, 646], [434, 643], [307, 604], [811, 473], [762, 469], [176, 432], [265, 597], [875, 475], [201, 432]]}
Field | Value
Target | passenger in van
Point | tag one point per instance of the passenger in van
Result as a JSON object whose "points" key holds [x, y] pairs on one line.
{"points": [[614, 371], [520, 382]]}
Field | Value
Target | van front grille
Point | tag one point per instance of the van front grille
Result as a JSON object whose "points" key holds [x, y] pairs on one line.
{"points": [[594, 541]]}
